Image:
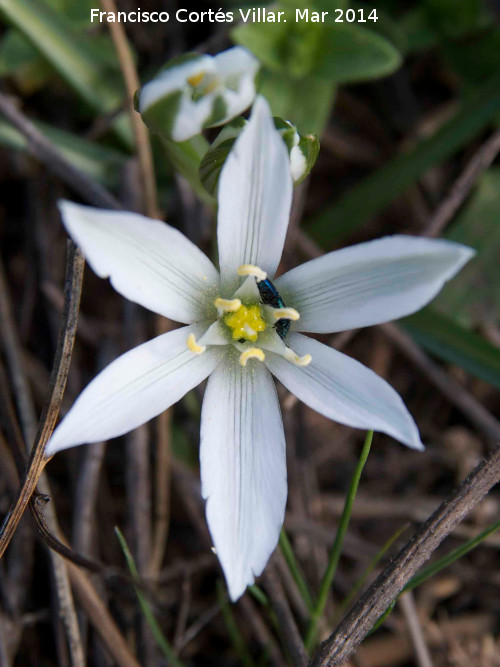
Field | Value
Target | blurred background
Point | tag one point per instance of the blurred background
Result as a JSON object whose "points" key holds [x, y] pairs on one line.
{"points": [[404, 106]]}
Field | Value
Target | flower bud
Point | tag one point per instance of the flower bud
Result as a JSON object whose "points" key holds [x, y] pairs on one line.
{"points": [[195, 91], [303, 151]]}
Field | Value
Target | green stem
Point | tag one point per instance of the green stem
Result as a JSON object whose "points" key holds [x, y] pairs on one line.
{"points": [[326, 584], [287, 551]]}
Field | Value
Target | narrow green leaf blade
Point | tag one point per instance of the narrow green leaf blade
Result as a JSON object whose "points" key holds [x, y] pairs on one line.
{"points": [[160, 638], [375, 192], [452, 343]]}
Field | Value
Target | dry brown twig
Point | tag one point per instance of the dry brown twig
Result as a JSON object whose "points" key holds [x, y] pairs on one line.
{"points": [[132, 84], [44, 151], [150, 201], [33, 474], [352, 630], [36, 464], [480, 161], [291, 635], [454, 392]]}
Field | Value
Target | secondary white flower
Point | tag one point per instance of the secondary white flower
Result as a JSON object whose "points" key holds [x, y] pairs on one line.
{"points": [[238, 331], [197, 91]]}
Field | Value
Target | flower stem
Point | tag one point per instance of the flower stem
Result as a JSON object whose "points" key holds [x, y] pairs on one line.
{"points": [[327, 581]]}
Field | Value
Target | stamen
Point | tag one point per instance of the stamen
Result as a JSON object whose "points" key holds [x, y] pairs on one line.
{"points": [[193, 345], [227, 305], [251, 270], [286, 314], [251, 353], [294, 358]]}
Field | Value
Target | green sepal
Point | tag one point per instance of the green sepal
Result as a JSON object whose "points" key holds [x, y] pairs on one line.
{"points": [[309, 147], [160, 116]]}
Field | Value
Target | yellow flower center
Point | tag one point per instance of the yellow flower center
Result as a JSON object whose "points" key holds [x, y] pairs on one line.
{"points": [[196, 79], [246, 323]]}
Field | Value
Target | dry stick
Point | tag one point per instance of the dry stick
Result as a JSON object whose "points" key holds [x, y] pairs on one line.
{"points": [[456, 394], [150, 199], [132, 84], [48, 155], [407, 603], [291, 635], [261, 631], [74, 277], [33, 474], [339, 646], [100, 618], [480, 161], [88, 596]]}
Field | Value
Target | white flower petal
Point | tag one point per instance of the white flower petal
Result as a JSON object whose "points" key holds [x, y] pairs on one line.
{"points": [[146, 260], [344, 390], [255, 195], [243, 469], [133, 389], [192, 116], [238, 68], [236, 61], [370, 282], [173, 79]]}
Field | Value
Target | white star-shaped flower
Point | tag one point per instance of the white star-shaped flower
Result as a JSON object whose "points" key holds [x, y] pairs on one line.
{"points": [[196, 91], [237, 335]]}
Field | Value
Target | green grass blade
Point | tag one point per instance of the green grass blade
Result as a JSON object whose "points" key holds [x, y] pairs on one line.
{"points": [[449, 341], [450, 558], [235, 635], [99, 162], [371, 566], [428, 572], [287, 551], [327, 582], [376, 191], [160, 638]]}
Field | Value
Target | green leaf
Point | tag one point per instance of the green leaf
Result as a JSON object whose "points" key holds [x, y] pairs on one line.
{"points": [[448, 341], [452, 19], [376, 191], [338, 52], [307, 102], [473, 297], [68, 51], [160, 638], [99, 162], [356, 54], [20, 60]]}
